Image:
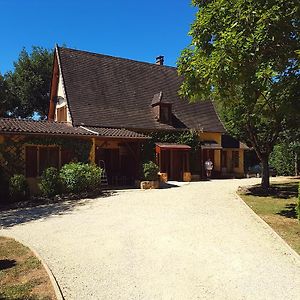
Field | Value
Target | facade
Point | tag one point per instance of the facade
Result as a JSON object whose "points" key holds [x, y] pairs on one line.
{"points": [[116, 104]]}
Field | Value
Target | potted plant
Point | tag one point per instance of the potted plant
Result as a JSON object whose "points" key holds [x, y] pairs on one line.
{"points": [[150, 176]]}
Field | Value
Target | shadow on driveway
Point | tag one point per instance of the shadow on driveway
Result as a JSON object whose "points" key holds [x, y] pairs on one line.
{"points": [[12, 217]]}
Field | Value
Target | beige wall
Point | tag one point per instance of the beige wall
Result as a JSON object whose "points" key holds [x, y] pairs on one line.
{"points": [[62, 99], [230, 167], [217, 137], [211, 136]]}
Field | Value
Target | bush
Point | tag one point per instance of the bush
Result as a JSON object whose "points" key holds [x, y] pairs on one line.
{"points": [[50, 184], [79, 177], [150, 171], [18, 188], [283, 159]]}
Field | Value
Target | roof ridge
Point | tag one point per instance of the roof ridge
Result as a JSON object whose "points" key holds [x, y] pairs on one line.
{"points": [[116, 57]]}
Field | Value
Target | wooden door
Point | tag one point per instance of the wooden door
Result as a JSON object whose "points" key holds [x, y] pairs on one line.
{"points": [[177, 164]]}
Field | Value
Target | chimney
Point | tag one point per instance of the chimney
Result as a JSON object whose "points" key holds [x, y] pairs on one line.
{"points": [[160, 60]]}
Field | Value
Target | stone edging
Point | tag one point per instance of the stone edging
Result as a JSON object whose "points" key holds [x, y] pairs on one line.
{"points": [[293, 253], [55, 285]]}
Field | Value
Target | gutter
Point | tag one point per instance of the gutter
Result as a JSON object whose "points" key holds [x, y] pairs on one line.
{"points": [[89, 130]]}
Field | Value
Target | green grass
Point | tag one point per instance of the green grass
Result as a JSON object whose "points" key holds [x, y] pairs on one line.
{"points": [[277, 207], [22, 275]]}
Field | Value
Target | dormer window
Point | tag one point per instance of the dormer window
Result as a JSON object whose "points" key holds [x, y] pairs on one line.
{"points": [[162, 108]]}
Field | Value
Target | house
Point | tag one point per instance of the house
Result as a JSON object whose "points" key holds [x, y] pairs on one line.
{"points": [[115, 104]]}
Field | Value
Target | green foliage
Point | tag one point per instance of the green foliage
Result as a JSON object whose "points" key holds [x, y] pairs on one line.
{"points": [[4, 105], [283, 159], [50, 184], [79, 177], [150, 171], [243, 56], [27, 88], [18, 188]]}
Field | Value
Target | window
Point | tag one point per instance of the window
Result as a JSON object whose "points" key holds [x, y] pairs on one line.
{"points": [[39, 158], [61, 114], [235, 159], [31, 161], [48, 157]]}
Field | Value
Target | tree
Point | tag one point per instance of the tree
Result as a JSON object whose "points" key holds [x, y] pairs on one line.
{"points": [[243, 56], [28, 86], [286, 154]]}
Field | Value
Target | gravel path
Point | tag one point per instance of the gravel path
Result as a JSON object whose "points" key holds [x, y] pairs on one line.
{"points": [[197, 241]]}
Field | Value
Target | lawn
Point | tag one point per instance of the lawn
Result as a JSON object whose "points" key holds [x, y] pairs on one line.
{"points": [[277, 207], [22, 275]]}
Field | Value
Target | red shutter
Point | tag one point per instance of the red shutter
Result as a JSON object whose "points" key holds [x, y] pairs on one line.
{"points": [[31, 161], [53, 157], [49, 157], [66, 156]]}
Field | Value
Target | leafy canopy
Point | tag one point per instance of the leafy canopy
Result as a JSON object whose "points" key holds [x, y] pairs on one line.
{"points": [[25, 90], [244, 55]]}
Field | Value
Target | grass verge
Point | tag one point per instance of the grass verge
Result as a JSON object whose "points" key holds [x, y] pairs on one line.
{"points": [[22, 275], [277, 207]]}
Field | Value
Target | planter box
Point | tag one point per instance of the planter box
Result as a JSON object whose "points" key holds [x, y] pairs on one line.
{"points": [[196, 177], [163, 177], [146, 185], [187, 176]]}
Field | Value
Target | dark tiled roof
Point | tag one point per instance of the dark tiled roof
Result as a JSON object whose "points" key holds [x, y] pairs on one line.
{"points": [[12, 125], [159, 98], [105, 91], [116, 133]]}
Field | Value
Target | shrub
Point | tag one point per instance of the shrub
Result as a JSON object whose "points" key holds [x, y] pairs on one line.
{"points": [[79, 177], [18, 188], [282, 159], [50, 184], [150, 171]]}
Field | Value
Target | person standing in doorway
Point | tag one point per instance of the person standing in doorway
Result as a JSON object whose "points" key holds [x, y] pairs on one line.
{"points": [[208, 167]]}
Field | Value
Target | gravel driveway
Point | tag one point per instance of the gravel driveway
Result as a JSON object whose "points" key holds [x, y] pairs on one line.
{"points": [[197, 241]]}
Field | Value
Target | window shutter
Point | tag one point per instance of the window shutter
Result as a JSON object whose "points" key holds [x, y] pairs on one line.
{"points": [[31, 161]]}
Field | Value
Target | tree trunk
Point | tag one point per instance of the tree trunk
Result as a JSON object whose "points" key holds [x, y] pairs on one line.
{"points": [[296, 163], [265, 177]]}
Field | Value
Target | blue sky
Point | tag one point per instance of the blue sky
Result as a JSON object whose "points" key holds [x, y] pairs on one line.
{"points": [[139, 30]]}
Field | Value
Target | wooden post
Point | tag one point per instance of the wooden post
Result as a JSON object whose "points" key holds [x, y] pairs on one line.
{"points": [[187, 161], [159, 154], [171, 164], [92, 156]]}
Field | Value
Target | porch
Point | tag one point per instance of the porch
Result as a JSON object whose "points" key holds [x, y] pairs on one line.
{"points": [[120, 159], [173, 161]]}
